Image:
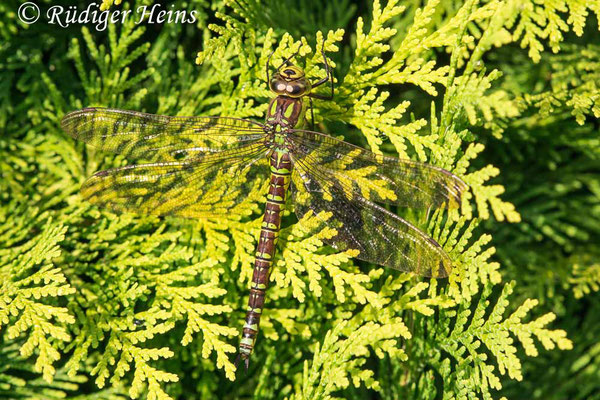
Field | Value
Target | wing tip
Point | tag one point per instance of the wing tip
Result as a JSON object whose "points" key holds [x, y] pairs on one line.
{"points": [[88, 189], [442, 264], [455, 197], [441, 271], [69, 121]]}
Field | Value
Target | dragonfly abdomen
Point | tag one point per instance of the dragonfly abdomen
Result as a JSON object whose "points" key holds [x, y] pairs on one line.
{"points": [[281, 168]]}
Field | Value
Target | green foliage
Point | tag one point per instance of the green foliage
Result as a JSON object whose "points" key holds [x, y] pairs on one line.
{"points": [[480, 345], [98, 305], [30, 286], [575, 77]]}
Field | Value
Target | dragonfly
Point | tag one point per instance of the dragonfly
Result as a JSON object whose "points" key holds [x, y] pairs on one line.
{"points": [[207, 167]]}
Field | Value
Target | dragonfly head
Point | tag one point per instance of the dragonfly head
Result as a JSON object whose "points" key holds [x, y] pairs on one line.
{"points": [[290, 81]]}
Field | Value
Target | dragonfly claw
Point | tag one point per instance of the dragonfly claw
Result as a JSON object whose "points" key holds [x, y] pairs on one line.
{"points": [[242, 357]]}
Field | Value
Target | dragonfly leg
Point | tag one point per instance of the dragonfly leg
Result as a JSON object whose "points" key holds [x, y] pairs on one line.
{"points": [[268, 67], [312, 114], [287, 60], [328, 77]]}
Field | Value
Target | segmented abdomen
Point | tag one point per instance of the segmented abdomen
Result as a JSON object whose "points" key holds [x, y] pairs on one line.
{"points": [[280, 180]]}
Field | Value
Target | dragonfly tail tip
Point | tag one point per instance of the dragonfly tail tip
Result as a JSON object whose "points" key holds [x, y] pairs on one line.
{"points": [[246, 361]]}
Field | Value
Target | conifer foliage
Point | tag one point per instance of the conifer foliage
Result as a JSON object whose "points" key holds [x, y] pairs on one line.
{"points": [[503, 93]]}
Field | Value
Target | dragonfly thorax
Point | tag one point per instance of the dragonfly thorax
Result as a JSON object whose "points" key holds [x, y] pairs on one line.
{"points": [[285, 113]]}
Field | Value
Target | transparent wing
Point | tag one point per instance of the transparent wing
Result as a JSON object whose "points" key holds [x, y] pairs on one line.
{"points": [[191, 166], [359, 172], [158, 138], [210, 185], [380, 237], [340, 183]]}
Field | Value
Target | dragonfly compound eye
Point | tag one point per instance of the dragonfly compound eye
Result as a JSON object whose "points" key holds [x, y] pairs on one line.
{"points": [[296, 89], [277, 85]]}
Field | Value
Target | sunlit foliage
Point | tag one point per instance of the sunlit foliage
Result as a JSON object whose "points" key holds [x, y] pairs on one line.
{"points": [[503, 93]]}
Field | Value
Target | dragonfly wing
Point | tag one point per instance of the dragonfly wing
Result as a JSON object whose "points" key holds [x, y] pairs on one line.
{"points": [[210, 185], [380, 237], [158, 138], [377, 178]]}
